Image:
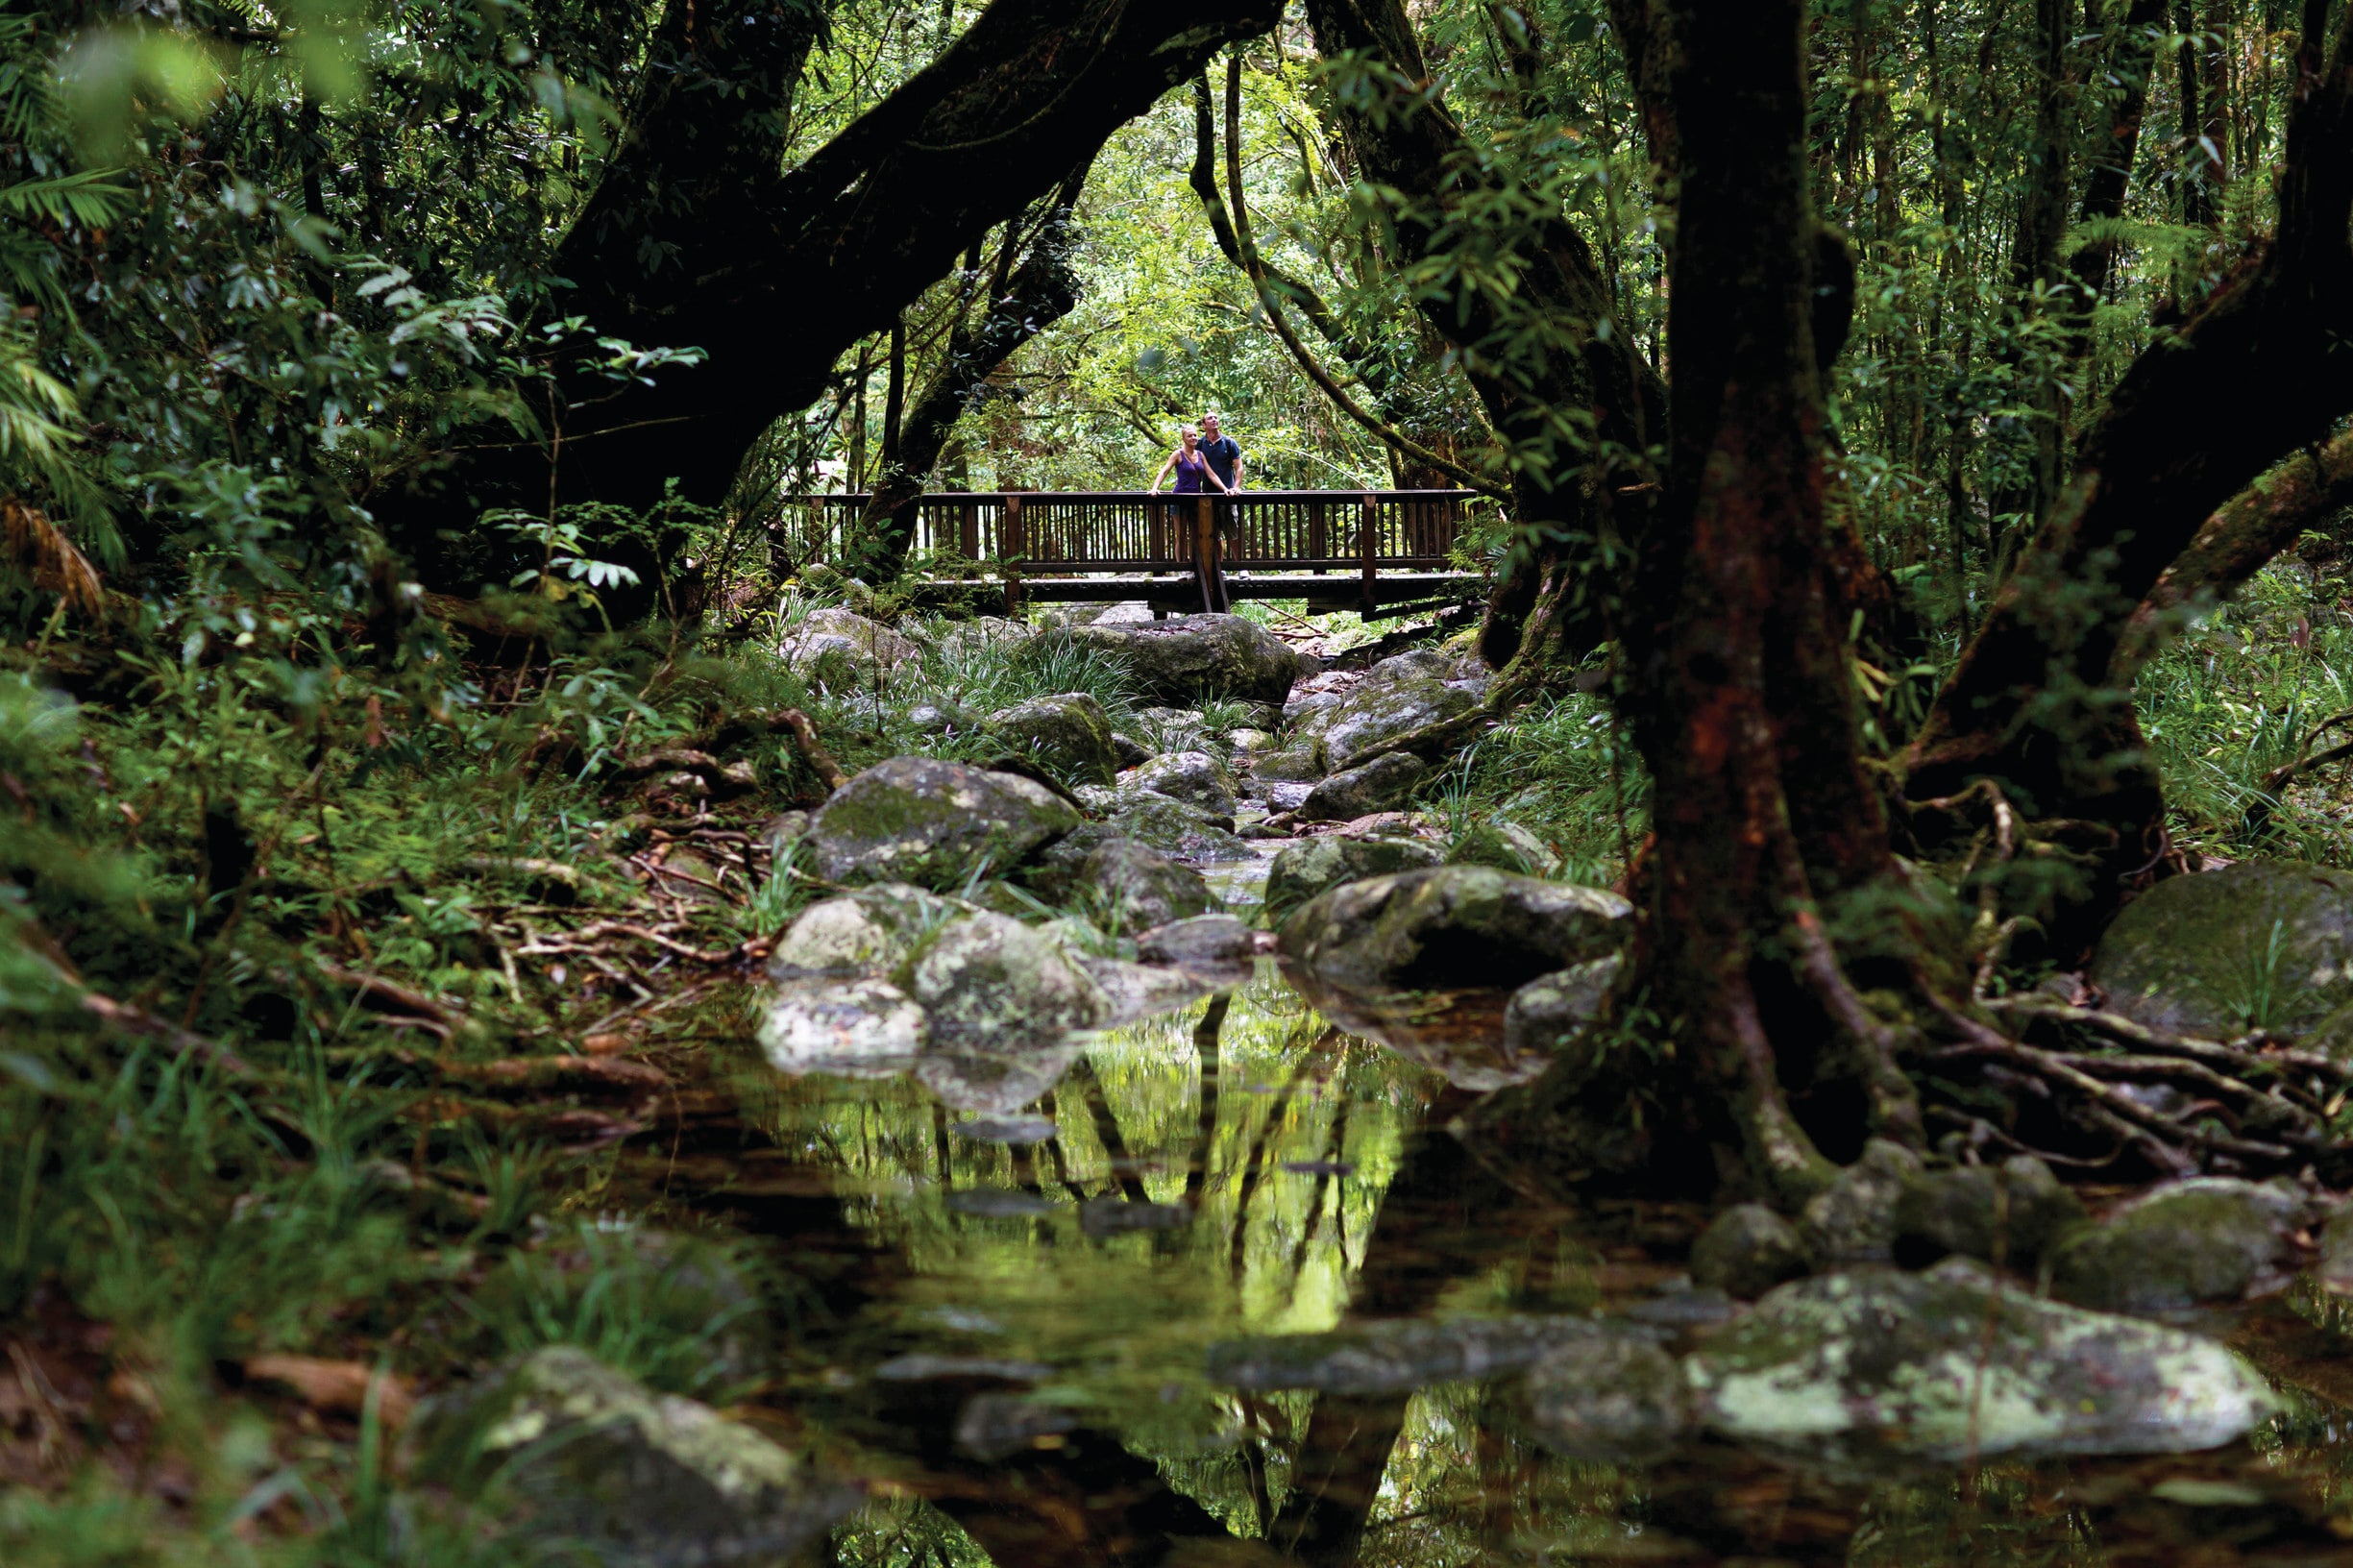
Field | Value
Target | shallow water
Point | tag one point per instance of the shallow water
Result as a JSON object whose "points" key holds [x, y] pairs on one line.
{"points": [[1007, 1321]]}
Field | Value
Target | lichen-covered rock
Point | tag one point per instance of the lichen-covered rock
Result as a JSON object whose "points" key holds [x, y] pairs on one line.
{"points": [[1413, 663], [1618, 1398], [1295, 762], [607, 1471], [1854, 1218], [2007, 1213], [1195, 778], [838, 648], [982, 634], [941, 716], [1303, 870], [1131, 752], [1379, 785], [1378, 712], [1184, 658], [1547, 1011], [1878, 1367], [859, 1028], [1067, 733], [864, 933], [1449, 927], [1174, 828], [933, 824], [1746, 1251], [2210, 1239], [1506, 846], [2261, 943], [1395, 1354], [1139, 888], [987, 979]]}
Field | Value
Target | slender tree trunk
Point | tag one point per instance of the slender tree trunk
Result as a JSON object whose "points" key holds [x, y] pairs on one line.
{"points": [[2110, 177]]}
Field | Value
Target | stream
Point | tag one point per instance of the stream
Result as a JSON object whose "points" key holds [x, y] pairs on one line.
{"points": [[1011, 1317]]}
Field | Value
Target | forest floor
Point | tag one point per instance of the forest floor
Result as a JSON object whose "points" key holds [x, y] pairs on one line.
{"points": [[414, 1045]]}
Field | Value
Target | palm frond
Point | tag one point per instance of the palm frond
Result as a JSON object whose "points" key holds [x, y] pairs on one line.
{"points": [[86, 197]]}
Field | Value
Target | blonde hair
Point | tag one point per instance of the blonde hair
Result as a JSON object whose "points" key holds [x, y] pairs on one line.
{"points": [[1188, 429]]}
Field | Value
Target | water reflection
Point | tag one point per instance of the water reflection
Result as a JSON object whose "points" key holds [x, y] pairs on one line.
{"points": [[1009, 1320]]}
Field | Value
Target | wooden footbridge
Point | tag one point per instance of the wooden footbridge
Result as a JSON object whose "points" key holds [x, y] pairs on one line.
{"points": [[1380, 552]]}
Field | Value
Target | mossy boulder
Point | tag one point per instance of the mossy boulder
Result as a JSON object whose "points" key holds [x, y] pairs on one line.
{"points": [[1302, 870], [1380, 785], [1549, 1011], [2263, 945], [933, 824], [1508, 846], [1188, 657], [1876, 1367], [864, 933], [841, 649], [1451, 927], [591, 1465], [1746, 1251], [1379, 711], [2008, 1214], [1854, 1216], [1175, 828], [2210, 1239], [1134, 882], [1195, 778], [1068, 733], [987, 979]]}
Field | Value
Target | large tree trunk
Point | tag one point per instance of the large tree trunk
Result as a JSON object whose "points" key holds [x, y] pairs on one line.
{"points": [[2265, 368], [696, 236], [1738, 682], [1562, 481]]}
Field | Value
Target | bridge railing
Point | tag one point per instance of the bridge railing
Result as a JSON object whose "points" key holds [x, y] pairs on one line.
{"points": [[1053, 534]]}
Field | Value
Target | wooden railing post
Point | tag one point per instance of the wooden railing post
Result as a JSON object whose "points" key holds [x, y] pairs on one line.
{"points": [[1205, 554], [1368, 551], [1010, 544]]}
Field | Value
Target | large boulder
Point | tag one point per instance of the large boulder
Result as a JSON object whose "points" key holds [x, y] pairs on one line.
{"points": [[987, 979], [2260, 944], [1451, 927], [590, 1465], [1854, 1217], [1302, 870], [1379, 711], [839, 650], [931, 822], [1068, 733], [1878, 1367], [1379, 785], [1192, 656], [1175, 828], [2206, 1240], [1195, 778], [1746, 1251], [1141, 888]]}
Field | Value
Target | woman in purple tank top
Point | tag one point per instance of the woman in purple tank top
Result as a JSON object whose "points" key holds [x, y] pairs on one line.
{"points": [[1193, 470]]}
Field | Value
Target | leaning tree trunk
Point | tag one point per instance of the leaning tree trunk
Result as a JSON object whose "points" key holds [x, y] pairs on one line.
{"points": [[696, 237], [1737, 680], [2263, 369]]}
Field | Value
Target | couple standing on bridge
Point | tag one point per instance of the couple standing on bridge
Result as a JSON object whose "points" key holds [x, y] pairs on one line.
{"points": [[1208, 457]]}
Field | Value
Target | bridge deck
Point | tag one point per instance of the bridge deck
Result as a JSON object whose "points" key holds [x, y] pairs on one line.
{"points": [[1361, 549]]}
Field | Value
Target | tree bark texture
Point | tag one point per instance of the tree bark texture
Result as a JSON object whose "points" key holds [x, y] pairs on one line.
{"points": [[1741, 695], [1577, 424], [2264, 368], [697, 236]]}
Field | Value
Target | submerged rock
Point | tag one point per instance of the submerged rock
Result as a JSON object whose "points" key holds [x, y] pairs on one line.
{"points": [[871, 930], [1878, 1366], [1618, 1398], [987, 979], [2007, 1213], [1379, 785], [1195, 778], [1192, 656], [2210, 1239], [1746, 1251], [1400, 1353], [1854, 1218], [1549, 1011], [612, 1473], [1451, 926], [1068, 733], [934, 824], [838, 648], [860, 1028], [1302, 870], [2259, 944]]}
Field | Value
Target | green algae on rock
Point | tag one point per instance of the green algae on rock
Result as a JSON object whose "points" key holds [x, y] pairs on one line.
{"points": [[2209, 1239], [933, 824], [1068, 733], [1876, 1367], [2260, 944]]}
